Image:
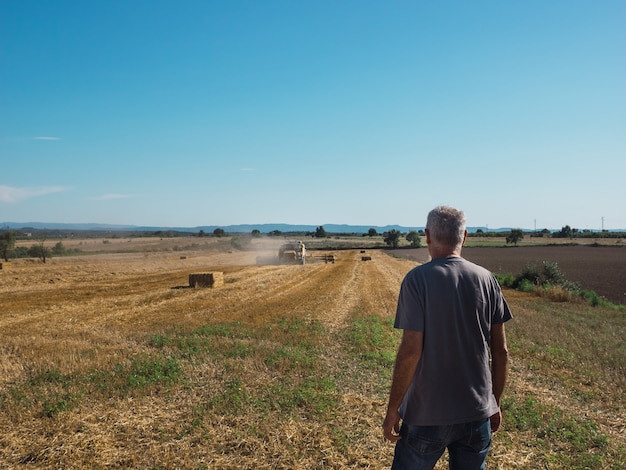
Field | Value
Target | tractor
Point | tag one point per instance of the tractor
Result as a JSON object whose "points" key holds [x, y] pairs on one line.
{"points": [[292, 253]]}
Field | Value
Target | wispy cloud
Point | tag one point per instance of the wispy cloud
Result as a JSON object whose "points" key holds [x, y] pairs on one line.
{"points": [[10, 194], [108, 197], [248, 169], [45, 137]]}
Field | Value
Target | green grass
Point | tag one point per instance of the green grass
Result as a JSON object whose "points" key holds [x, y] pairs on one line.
{"points": [[558, 438], [576, 352], [371, 341]]}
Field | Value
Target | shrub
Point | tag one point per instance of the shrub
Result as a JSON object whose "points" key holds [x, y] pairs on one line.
{"points": [[59, 249], [505, 280], [19, 252], [525, 285], [552, 274], [530, 274], [548, 275], [550, 282], [595, 299], [40, 251]]}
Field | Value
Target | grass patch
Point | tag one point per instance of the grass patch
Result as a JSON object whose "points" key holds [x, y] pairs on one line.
{"points": [[49, 392], [144, 371], [575, 353], [369, 340], [558, 438], [579, 345], [274, 369]]}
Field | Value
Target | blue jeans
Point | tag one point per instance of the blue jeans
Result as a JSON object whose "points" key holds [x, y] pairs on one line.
{"points": [[421, 446]]}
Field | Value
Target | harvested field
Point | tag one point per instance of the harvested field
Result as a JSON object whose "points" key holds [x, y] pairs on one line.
{"points": [[598, 268], [107, 361]]}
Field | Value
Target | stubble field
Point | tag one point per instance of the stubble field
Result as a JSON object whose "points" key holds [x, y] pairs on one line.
{"points": [[109, 361]]}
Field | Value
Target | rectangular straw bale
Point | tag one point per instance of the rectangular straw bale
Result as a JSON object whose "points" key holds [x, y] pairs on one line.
{"points": [[215, 279]]}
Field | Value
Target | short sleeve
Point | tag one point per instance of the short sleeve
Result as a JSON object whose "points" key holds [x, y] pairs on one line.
{"points": [[502, 313], [410, 309]]}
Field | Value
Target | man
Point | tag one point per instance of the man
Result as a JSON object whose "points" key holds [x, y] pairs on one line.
{"points": [[443, 390]]}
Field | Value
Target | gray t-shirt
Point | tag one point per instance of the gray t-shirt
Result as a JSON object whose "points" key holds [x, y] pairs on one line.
{"points": [[454, 302]]}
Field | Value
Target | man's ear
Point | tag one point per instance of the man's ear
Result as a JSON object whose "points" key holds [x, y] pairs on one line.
{"points": [[464, 238]]}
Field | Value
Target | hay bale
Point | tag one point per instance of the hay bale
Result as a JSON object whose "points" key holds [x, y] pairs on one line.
{"points": [[206, 279], [366, 258]]}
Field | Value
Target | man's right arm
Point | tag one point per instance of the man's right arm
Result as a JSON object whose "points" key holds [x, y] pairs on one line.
{"points": [[409, 354], [499, 368]]}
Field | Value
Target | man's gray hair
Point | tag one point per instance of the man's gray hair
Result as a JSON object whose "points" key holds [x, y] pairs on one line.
{"points": [[446, 226]]}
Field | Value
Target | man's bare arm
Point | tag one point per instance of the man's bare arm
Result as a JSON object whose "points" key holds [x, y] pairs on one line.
{"points": [[407, 358], [499, 368]]}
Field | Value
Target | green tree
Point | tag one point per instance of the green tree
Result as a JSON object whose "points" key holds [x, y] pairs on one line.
{"points": [[256, 233], [414, 238], [40, 251], [372, 232], [7, 242], [566, 232], [514, 236], [59, 249], [219, 232], [393, 238], [320, 232]]}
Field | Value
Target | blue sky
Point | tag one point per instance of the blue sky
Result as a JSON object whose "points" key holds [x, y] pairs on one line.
{"points": [[190, 113]]}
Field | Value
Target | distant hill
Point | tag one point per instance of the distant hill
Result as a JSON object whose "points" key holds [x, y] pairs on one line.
{"points": [[242, 228]]}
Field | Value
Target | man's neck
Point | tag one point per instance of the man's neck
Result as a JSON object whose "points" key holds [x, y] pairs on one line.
{"points": [[436, 253]]}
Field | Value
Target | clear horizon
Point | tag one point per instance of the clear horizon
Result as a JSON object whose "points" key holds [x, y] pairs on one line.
{"points": [[96, 226], [162, 113]]}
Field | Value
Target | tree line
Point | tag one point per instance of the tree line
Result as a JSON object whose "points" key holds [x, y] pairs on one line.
{"points": [[37, 250]]}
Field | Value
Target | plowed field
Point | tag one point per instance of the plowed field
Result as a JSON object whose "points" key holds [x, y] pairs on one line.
{"points": [[598, 268]]}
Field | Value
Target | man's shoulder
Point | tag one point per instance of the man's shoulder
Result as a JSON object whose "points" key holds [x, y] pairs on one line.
{"points": [[421, 268], [460, 265], [453, 262], [472, 265]]}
